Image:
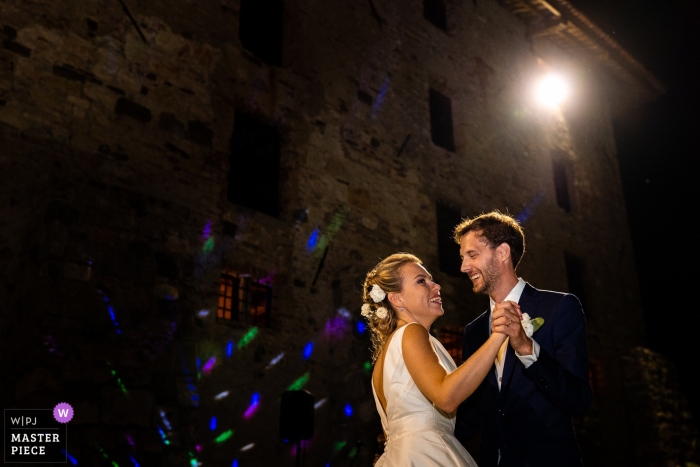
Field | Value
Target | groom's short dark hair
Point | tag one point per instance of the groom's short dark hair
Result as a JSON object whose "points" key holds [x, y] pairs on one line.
{"points": [[496, 228]]}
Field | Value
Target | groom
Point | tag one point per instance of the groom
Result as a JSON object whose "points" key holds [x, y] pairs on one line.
{"points": [[524, 406]]}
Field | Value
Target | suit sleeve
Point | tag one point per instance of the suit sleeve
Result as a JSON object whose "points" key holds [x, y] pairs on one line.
{"points": [[563, 377], [467, 425]]}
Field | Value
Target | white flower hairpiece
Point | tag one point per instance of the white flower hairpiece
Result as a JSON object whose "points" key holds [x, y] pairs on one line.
{"points": [[377, 293], [366, 310], [381, 312]]}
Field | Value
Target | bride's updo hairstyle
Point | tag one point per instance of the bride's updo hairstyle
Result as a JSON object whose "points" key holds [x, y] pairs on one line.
{"points": [[387, 276]]}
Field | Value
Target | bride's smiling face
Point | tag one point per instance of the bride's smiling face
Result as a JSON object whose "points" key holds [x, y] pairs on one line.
{"points": [[420, 295]]}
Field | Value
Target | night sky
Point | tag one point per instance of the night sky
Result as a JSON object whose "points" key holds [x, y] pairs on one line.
{"points": [[657, 149]]}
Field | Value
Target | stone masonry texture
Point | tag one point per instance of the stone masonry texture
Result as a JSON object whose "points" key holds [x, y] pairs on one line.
{"points": [[115, 161]]}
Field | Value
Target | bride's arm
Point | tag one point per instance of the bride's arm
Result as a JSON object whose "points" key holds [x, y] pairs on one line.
{"points": [[446, 391]]}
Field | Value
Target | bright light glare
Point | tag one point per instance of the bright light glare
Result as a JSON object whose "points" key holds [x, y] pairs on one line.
{"points": [[552, 90]]}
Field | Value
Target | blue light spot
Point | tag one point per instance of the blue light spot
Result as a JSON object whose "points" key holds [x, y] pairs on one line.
{"points": [[361, 327], [229, 349], [136, 464], [235, 463], [255, 399], [348, 410], [198, 369], [212, 424], [308, 349], [313, 241], [70, 458]]}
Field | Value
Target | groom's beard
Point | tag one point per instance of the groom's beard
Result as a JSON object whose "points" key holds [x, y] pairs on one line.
{"points": [[489, 278]]}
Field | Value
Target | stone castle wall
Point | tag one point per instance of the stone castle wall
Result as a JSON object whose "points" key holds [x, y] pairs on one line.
{"points": [[115, 161]]}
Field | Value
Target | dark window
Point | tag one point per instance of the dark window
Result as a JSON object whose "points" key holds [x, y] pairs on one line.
{"points": [[253, 179], [561, 183], [434, 11], [448, 251], [574, 274], [451, 337], [241, 298], [441, 121], [260, 29]]}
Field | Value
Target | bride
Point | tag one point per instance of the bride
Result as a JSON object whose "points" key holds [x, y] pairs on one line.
{"points": [[416, 385]]}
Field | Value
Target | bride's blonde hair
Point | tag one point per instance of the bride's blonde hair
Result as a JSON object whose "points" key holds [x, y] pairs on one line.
{"points": [[387, 276]]}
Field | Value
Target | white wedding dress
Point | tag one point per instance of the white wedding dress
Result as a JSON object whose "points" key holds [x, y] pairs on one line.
{"points": [[418, 433]]}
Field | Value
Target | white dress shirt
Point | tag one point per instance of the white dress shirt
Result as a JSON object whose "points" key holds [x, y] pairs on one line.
{"points": [[527, 360]]}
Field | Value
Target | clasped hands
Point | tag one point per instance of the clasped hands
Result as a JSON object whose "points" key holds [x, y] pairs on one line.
{"points": [[506, 319]]}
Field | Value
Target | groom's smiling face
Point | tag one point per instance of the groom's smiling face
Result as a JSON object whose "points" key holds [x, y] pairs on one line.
{"points": [[479, 262]]}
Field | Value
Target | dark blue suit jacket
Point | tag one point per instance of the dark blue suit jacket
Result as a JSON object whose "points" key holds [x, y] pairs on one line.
{"points": [[529, 420]]}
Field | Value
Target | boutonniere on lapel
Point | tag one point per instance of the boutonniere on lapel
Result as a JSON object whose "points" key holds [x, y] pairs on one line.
{"points": [[531, 325]]}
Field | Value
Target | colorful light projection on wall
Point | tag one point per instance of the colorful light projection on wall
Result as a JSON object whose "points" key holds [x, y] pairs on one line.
{"points": [[203, 313], [111, 312], [247, 447], [133, 461], [235, 463], [380, 98], [275, 360], [253, 407], [361, 327], [368, 368], [525, 214], [207, 238], [165, 422], [119, 381], [229, 349], [72, 459], [336, 328], [104, 454], [221, 395], [190, 385], [209, 366], [212, 424], [166, 441], [313, 241], [332, 230], [224, 436], [348, 410], [249, 336], [308, 350], [299, 383], [320, 403]]}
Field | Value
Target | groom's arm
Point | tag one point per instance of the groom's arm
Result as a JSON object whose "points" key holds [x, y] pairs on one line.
{"points": [[563, 377], [467, 425]]}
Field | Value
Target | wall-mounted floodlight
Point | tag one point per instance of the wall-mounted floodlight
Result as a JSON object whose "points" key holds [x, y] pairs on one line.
{"points": [[552, 90]]}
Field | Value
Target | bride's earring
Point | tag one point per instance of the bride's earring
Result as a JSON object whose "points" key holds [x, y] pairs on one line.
{"points": [[401, 308]]}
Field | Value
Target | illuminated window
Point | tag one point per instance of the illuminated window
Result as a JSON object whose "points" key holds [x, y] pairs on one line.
{"points": [[451, 337], [441, 129], [448, 251], [435, 12], [244, 300], [260, 30]]}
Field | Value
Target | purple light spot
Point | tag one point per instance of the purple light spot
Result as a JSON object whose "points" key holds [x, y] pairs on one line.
{"points": [[380, 98], [209, 365], [525, 214], [254, 403], [206, 233], [336, 327]]}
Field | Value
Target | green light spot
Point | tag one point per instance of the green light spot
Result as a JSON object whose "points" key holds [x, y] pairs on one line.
{"points": [[250, 335], [299, 383], [340, 445], [114, 464], [208, 246], [193, 462], [368, 367], [224, 436], [352, 453]]}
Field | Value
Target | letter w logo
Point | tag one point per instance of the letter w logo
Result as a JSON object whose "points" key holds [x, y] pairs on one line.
{"points": [[62, 412]]}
